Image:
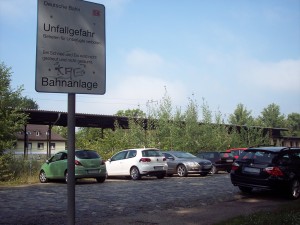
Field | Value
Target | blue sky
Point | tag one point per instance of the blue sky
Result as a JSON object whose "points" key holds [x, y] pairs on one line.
{"points": [[226, 52]]}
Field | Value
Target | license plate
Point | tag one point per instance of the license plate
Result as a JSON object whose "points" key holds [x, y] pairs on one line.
{"points": [[158, 167], [251, 170], [93, 171], [229, 160]]}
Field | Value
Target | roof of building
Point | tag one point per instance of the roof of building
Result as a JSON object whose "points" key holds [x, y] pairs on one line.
{"points": [[39, 133]]}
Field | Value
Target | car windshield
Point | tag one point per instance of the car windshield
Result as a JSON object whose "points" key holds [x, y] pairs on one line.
{"points": [[184, 155], [151, 153], [86, 154], [257, 156]]}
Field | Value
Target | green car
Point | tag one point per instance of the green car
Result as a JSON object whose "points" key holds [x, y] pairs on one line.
{"points": [[88, 164]]}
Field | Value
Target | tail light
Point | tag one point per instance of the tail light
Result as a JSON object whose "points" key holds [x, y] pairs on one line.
{"points": [[235, 166], [274, 171], [145, 160], [77, 163], [164, 159], [102, 162]]}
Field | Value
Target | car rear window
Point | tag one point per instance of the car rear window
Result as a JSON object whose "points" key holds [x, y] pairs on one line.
{"points": [[226, 154], [257, 156], [87, 154], [151, 153]]}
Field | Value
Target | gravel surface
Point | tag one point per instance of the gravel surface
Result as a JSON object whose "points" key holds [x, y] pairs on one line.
{"points": [[191, 200]]}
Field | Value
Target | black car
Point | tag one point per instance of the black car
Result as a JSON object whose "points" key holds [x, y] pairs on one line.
{"points": [[270, 168], [221, 161]]}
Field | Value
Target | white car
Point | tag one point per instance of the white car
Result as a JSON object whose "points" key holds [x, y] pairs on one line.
{"points": [[137, 163]]}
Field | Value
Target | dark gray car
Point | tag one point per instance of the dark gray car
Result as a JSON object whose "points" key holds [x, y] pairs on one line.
{"points": [[184, 163]]}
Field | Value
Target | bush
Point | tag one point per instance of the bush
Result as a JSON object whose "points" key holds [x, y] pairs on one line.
{"points": [[18, 169]]}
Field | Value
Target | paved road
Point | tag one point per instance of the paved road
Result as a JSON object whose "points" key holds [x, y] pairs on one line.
{"points": [[98, 203]]}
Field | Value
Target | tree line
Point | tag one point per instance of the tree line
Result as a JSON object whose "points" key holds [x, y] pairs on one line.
{"points": [[168, 127]]}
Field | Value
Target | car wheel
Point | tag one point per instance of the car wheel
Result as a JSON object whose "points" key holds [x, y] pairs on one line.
{"points": [[246, 189], [43, 178], [181, 171], [100, 179], [213, 170], [294, 189], [135, 173]]}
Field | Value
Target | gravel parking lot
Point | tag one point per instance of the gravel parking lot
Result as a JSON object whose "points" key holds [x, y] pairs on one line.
{"points": [[138, 202]]}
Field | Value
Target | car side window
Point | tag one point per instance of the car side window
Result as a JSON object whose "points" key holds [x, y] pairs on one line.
{"points": [[56, 157], [295, 157], [168, 156], [119, 156], [64, 156], [131, 154]]}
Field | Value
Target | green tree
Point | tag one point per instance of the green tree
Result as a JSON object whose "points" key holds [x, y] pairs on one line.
{"points": [[241, 116], [132, 113], [293, 123], [190, 139], [271, 116], [12, 119]]}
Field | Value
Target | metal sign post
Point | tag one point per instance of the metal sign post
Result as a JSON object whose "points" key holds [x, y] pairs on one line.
{"points": [[70, 58], [71, 159]]}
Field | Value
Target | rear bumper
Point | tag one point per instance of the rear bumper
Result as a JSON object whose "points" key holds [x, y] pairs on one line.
{"points": [[223, 167], [267, 184], [90, 173], [154, 173]]}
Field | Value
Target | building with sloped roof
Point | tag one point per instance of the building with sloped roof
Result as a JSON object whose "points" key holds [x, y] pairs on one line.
{"points": [[38, 140]]}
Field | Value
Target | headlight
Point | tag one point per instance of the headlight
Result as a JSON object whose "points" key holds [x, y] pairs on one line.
{"points": [[192, 164]]}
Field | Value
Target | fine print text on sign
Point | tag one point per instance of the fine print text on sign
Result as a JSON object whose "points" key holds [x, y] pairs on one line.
{"points": [[70, 55]]}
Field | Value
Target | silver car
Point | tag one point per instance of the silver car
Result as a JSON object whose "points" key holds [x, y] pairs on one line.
{"points": [[184, 163]]}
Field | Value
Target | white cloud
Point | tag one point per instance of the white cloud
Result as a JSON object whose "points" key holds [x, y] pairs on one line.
{"points": [[141, 79], [283, 75]]}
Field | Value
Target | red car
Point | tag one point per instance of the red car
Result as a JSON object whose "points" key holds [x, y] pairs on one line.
{"points": [[236, 151]]}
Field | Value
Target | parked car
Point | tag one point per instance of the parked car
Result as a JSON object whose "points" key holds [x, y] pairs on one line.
{"points": [[137, 163], [270, 168], [184, 163], [88, 164], [236, 151], [221, 161]]}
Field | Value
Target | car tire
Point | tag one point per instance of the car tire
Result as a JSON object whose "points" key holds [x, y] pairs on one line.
{"points": [[294, 189], [42, 176], [181, 170], [100, 179], [135, 173], [247, 190], [214, 170]]}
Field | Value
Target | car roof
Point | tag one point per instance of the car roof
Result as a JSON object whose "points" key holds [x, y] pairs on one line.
{"points": [[233, 149], [140, 149], [174, 151], [213, 152], [76, 150], [271, 149]]}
